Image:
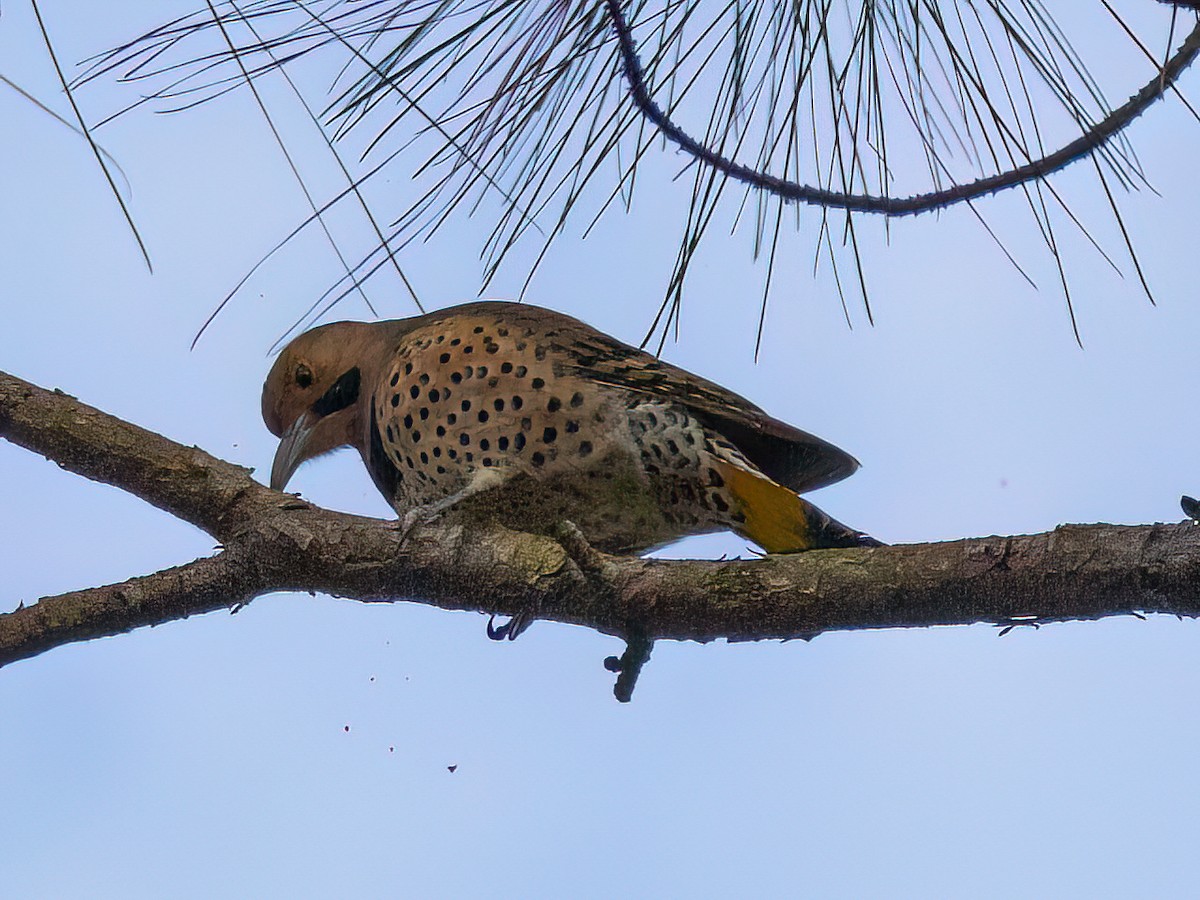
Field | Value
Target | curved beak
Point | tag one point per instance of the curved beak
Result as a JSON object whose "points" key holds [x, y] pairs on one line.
{"points": [[290, 452]]}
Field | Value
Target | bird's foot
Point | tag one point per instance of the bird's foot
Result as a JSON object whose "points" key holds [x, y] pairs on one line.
{"points": [[417, 516]]}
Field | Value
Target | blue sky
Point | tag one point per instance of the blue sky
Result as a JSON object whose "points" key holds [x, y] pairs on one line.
{"points": [[301, 747]]}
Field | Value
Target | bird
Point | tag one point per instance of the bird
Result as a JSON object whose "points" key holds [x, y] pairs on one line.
{"points": [[529, 418]]}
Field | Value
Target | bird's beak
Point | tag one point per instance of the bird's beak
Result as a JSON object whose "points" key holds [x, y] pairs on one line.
{"points": [[291, 449]]}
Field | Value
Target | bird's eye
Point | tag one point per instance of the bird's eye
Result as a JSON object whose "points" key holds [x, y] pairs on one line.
{"points": [[304, 376]]}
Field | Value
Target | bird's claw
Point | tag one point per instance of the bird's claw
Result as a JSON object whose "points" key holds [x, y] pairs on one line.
{"points": [[510, 630], [1191, 507], [418, 515]]}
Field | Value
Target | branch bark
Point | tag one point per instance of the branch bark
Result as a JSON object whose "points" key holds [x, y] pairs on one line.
{"points": [[1086, 144], [277, 542]]}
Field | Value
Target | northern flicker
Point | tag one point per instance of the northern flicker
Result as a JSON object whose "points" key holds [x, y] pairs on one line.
{"points": [[531, 418]]}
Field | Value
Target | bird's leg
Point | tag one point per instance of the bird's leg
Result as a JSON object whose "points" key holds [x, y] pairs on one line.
{"points": [[481, 480]]}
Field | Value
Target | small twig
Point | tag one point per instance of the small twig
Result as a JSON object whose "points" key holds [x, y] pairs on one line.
{"points": [[628, 667]]}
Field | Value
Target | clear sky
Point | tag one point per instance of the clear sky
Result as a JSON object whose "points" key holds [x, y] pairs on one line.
{"points": [[302, 747]]}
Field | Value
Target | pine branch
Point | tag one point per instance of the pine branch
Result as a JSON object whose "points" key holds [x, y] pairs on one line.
{"points": [[1086, 144]]}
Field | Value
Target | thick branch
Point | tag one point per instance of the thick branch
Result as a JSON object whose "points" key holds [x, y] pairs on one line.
{"points": [[274, 542], [201, 586], [1098, 135]]}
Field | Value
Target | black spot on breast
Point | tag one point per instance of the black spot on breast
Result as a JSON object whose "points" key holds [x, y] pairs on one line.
{"points": [[452, 418], [672, 446], [653, 419], [414, 392], [485, 444], [481, 371], [517, 402], [537, 384], [539, 352], [719, 502], [441, 431], [487, 461], [408, 368], [424, 379], [444, 358], [455, 342], [502, 443], [416, 436], [577, 399], [498, 404], [519, 441], [483, 415], [553, 404], [390, 435], [424, 458], [468, 349], [538, 458], [478, 329], [408, 420], [464, 439], [435, 395], [456, 377], [572, 426], [395, 400], [437, 452], [715, 479], [395, 379], [521, 370], [585, 448], [549, 435], [506, 367], [466, 405], [527, 424]]}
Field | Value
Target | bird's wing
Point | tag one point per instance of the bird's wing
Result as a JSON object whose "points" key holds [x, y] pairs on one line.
{"points": [[794, 458]]}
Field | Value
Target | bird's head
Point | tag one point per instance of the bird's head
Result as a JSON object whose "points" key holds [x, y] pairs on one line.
{"points": [[312, 396]]}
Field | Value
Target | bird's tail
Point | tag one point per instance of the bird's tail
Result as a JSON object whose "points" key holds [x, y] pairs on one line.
{"points": [[780, 521]]}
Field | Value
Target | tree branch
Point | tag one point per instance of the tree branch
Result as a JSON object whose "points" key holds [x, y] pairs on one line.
{"points": [[275, 542], [1098, 135]]}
